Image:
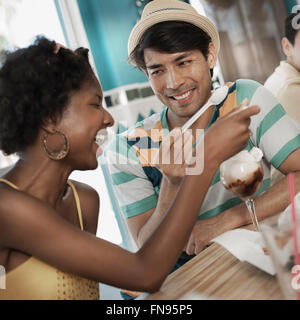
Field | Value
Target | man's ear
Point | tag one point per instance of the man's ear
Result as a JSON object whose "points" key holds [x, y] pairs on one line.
{"points": [[211, 56], [287, 47]]}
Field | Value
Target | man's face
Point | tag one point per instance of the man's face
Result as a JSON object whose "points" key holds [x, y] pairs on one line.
{"points": [[181, 80], [296, 51]]}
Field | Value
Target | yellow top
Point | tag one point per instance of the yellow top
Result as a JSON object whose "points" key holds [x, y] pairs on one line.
{"points": [[36, 280]]}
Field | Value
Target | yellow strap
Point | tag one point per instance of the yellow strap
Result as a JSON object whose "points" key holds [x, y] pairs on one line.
{"points": [[77, 201], [9, 183]]}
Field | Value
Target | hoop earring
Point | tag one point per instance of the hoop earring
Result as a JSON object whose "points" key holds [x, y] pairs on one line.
{"points": [[56, 155]]}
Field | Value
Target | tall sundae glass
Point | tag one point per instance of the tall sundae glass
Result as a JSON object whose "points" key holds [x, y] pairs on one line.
{"points": [[242, 174]]}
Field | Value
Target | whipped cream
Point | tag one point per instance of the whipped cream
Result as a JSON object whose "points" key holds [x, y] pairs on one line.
{"points": [[254, 155]]}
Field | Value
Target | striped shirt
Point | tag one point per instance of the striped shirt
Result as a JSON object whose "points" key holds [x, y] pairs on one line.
{"points": [[136, 181]]}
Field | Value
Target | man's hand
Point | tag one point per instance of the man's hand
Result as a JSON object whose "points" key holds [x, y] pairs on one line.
{"points": [[203, 232], [174, 155], [171, 160]]}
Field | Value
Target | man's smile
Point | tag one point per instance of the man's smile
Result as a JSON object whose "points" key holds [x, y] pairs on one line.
{"points": [[183, 98]]}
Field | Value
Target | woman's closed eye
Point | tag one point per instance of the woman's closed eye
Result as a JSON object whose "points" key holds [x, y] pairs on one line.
{"points": [[96, 105]]}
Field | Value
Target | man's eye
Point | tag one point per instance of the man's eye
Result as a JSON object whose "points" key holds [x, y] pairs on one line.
{"points": [[98, 106], [156, 72], [186, 62]]}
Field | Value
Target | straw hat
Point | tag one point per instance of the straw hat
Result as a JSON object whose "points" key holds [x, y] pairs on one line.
{"points": [[158, 11]]}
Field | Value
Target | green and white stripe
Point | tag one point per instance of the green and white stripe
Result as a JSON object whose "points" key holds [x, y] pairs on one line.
{"points": [[273, 132]]}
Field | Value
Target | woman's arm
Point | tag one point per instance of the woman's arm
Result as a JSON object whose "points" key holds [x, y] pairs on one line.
{"points": [[33, 227]]}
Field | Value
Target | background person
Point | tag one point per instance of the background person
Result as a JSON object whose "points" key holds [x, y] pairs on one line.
{"points": [[284, 82]]}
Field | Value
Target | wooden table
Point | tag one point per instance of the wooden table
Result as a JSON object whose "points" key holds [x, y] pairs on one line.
{"points": [[216, 274]]}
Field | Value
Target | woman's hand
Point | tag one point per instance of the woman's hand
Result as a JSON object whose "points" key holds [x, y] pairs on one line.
{"points": [[230, 134]]}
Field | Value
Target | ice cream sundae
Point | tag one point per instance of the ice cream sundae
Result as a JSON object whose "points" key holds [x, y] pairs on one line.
{"points": [[243, 173]]}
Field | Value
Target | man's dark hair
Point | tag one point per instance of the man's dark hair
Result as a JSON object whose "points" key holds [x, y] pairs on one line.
{"points": [[35, 86], [290, 31], [170, 37]]}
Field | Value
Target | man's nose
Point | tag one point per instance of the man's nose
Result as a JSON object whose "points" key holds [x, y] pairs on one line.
{"points": [[174, 79]]}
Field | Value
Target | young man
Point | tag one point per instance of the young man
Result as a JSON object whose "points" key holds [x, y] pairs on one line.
{"points": [[284, 82], [177, 49]]}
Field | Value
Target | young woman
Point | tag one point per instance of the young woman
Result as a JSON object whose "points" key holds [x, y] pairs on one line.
{"points": [[50, 112]]}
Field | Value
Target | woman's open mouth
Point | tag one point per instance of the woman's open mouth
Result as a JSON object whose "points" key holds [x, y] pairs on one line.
{"points": [[101, 137]]}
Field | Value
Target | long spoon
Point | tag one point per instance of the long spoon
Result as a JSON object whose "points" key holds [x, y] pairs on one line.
{"points": [[216, 98]]}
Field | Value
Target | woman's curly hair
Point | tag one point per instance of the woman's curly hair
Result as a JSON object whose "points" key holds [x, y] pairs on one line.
{"points": [[35, 85]]}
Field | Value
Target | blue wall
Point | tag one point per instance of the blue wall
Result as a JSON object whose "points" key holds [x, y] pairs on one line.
{"points": [[289, 4], [108, 24]]}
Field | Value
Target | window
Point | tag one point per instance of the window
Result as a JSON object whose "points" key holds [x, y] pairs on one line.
{"points": [[20, 22], [250, 34]]}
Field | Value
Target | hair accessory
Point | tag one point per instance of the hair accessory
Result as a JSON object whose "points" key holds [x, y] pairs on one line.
{"points": [[58, 46], [158, 11], [57, 155]]}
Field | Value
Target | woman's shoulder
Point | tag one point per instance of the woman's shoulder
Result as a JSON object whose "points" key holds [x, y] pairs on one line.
{"points": [[85, 191], [89, 203]]}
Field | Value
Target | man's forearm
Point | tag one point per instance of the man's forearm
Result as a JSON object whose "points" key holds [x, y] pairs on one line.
{"points": [[276, 199], [167, 194]]}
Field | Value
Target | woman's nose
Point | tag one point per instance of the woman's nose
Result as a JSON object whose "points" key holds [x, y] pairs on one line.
{"points": [[108, 119]]}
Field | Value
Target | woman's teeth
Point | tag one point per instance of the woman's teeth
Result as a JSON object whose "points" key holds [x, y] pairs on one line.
{"points": [[100, 138]]}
